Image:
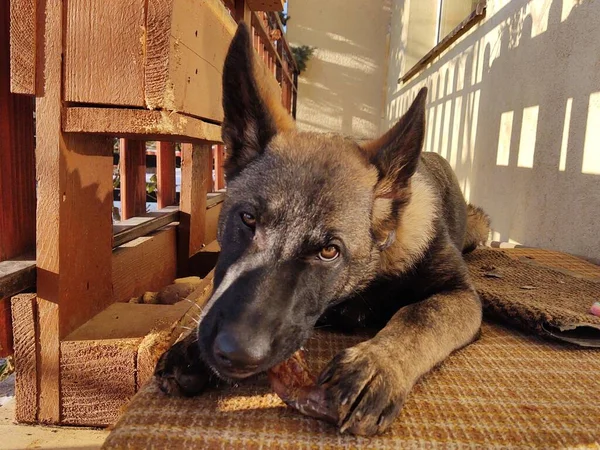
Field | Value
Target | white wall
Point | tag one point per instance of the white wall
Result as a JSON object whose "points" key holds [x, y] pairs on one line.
{"points": [[343, 88], [515, 107]]}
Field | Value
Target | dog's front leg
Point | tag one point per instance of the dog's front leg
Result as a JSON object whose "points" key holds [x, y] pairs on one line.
{"points": [[367, 384]]}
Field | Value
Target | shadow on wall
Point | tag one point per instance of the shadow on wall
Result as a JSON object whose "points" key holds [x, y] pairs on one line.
{"points": [[342, 88], [515, 108]]}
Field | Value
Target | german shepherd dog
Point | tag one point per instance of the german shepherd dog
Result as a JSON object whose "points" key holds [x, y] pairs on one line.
{"points": [[317, 227]]}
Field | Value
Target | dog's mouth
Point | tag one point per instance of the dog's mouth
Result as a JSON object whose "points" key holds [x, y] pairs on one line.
{"points": [[237, 373]]}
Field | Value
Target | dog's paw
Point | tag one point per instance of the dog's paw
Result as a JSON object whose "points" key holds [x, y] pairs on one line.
{"points": [[180, 371], [365, 389]]}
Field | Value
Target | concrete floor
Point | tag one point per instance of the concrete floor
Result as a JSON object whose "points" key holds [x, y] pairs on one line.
{"points": [[17, 437]]}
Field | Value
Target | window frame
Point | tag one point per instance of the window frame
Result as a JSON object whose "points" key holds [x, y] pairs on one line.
{"points": [[473, 18]]}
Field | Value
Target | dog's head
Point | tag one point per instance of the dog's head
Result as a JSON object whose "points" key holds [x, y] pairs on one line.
{"points": [[305, 221]]}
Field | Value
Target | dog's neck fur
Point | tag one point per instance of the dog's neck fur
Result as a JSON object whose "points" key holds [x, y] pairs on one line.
{"points": [[415, 230]]}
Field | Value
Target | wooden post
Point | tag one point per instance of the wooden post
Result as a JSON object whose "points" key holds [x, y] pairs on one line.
{"points": [[133, 177], [74, 229], [242, 12], [17, 171], [219, 172], [192, 204], [209, 170], [165, 173]]}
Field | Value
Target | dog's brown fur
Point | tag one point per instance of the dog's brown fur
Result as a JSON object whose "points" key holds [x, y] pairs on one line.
{"points": [[400, 222]]}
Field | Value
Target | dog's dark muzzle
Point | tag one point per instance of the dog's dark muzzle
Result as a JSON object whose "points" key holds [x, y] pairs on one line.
{"points": [[236, 357]]}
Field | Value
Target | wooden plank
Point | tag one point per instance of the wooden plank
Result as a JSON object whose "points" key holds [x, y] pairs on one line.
{"points": [[22, 45], [209, 171], [165, 173], [136, 227], [48, 373], [144, 264], [97, 380], [192, 203], [132, 163], [286, 46], [16, 275], [17, 160], [149, 125], [104, 57], [25, 338], [472, 19], [186, 46]]}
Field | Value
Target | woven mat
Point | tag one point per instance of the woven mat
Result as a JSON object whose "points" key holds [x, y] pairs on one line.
{"points": [[550, 301], [507, 390]]}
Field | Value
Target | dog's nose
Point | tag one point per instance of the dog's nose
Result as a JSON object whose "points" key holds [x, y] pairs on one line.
{"points": [[236, 354]]}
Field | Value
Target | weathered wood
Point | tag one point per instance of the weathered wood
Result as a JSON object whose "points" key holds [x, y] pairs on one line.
{"points": [[144, 264], [138, 123], [475, 17], [165, 173], [209, 171], [266, 5], [186, 46], [17, 162], [25, 337], [97, 380], [136, 227], [133, 177], [104, 57], [16, 275], [192, 204], [22, 45]]}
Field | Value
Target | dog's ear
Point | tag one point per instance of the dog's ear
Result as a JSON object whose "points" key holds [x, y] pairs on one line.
{"points": [[396, 153], [252, 108]]}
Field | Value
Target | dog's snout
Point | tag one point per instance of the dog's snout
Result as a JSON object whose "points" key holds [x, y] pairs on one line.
{"points": [[238, 355]]}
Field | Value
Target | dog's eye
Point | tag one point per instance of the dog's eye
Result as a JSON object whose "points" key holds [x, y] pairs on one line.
{"points": [[248, 220], [329, 253]]}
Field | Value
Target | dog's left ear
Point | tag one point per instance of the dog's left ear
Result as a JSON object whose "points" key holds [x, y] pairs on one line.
{"points": [[252, 107], [396, 153]]}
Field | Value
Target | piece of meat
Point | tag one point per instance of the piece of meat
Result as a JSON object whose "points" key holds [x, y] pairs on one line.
{"points": [[296, 386]]}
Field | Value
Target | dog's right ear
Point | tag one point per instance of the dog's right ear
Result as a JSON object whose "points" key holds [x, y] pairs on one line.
{"points": [[252, 108]]}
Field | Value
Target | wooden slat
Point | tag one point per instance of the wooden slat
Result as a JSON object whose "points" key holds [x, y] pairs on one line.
{"points": [[25, 338], [6, 336], [22, 45], [212, 222], [286, 46], [133, 177], [16, 275], [242, 12], [145, 264], [130, 229], [209, 171], [17, 161], [257, 23], [104, 58], [186, 46], [165, 173], [192, 204], [149, 125]]}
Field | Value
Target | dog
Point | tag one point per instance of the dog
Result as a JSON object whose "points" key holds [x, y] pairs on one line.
{"points": [[317, 228]]}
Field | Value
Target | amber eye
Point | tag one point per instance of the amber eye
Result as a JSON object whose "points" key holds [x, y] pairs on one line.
{"points": [[329, 253], [248, 220]]}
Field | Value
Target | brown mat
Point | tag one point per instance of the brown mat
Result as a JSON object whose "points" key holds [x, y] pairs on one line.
{"points": [[507, 390], [547, 301]]}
